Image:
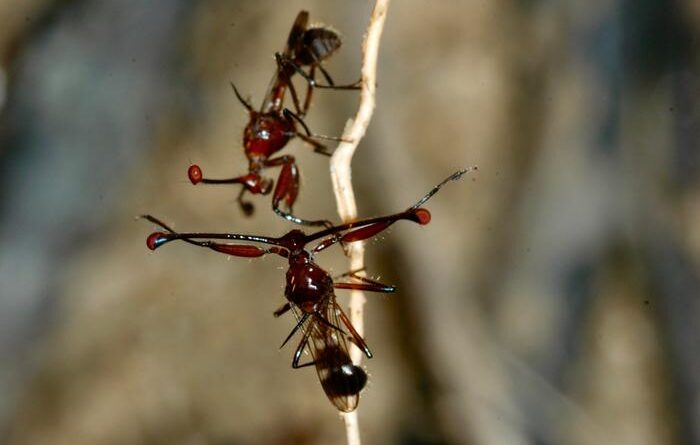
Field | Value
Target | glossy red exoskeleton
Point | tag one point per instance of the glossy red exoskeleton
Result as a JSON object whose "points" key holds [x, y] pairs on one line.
{"points": [[310, 290], [270, 129]]}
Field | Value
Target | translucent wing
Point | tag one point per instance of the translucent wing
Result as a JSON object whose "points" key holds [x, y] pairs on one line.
{"points": [[341, 380], [278, 84], [296, 32]]}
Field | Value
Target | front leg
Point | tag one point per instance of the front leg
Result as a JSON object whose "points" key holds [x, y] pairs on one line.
{"points": [[287, 190], [282, 310], [247, 207]]}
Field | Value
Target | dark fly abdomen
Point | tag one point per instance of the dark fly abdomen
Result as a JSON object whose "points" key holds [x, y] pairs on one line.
{"points": [[342, 381], [346, 380], [316, 45]]}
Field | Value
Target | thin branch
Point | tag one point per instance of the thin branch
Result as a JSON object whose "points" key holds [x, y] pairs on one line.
{"points": [[341, 176]]}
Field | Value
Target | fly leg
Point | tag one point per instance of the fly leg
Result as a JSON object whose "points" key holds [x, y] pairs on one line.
{"points": [[300, 350], [308, 136], [366, 284], [282, 310], [285, 61], [287, 190], [355, 336]]}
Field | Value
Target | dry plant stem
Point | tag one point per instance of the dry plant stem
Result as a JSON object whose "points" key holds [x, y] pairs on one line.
{"points": [[341, 176], [341, 173]]}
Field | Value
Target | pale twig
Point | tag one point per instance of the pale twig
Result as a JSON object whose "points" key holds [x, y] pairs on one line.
{"points": [[341, 176]]}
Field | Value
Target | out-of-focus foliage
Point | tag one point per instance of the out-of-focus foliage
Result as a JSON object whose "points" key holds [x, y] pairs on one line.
{"points": [[553, 299]]}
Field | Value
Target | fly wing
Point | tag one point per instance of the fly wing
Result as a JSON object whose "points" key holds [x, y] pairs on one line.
{"points": [[296, 32], [278, 84], [341, 380]]}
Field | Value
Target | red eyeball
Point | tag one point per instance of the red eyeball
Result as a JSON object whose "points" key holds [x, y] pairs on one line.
{"points": [[423, 216], [154, 240], [195, 174]]}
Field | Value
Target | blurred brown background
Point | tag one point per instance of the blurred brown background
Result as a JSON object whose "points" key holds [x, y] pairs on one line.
{"points": [[552, 300]]}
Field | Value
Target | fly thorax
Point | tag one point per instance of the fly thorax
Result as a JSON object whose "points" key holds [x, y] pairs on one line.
{"points": [[308, 286]]}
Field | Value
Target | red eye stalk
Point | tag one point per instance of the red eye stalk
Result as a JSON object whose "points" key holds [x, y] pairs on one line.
{"points": [[241, 250]]}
